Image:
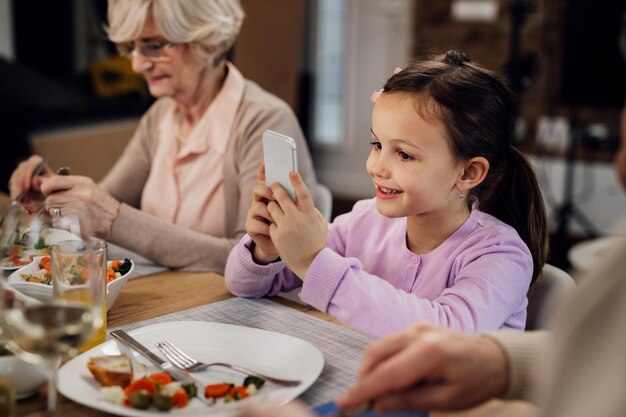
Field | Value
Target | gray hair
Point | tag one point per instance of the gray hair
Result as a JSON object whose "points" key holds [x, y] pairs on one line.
{"points": [[208, 23]]}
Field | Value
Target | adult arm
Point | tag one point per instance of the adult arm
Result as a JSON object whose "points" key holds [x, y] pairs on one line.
{"points": [[523, 351], [426, 367]]}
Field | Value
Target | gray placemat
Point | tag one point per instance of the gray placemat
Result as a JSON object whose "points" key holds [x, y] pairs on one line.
{"points": [[342, 347]]}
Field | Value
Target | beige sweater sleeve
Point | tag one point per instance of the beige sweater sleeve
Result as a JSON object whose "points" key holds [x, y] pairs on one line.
{"points": [[523, 351]]}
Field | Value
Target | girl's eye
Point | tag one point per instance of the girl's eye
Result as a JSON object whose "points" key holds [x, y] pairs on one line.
{"points": [[405, 156], [377, 146]]}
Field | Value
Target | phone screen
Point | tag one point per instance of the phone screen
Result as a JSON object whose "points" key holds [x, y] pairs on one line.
{"points": [[279, 155]]}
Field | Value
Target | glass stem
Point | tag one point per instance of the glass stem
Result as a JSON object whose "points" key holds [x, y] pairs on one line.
{"points": [[53, 365]]}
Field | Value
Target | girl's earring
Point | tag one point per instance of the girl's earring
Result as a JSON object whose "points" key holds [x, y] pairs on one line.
{"points": [[461, 195]]}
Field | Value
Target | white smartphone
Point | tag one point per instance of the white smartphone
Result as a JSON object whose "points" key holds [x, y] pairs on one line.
{"points": [[279, 155]]}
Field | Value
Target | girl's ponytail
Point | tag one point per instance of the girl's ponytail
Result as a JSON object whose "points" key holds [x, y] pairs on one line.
{"points": [[512, 194]]}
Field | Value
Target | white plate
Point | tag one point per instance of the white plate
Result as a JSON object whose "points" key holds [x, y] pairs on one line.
{"points": [[584, 255], [267, 352]]}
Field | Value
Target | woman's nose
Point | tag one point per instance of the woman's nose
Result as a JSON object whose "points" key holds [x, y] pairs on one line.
{"points": [[140, 63]]}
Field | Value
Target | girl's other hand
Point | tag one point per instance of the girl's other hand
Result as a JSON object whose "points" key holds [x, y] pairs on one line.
{"points": [[259, 219], [299, 230], [79, 197], [22, 178]]}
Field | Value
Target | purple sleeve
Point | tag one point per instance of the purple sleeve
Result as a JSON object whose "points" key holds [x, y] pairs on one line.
{"points": [[245, 278], [487, 291]]}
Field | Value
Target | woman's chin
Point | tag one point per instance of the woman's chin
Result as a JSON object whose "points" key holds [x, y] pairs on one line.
{"points": [[158, 91]]}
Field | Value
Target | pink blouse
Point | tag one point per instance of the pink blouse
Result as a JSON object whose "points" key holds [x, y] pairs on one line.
{"points": [[185, 185]]}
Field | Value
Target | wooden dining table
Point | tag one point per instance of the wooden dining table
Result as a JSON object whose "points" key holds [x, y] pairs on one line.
{"points": [[151, 296]]}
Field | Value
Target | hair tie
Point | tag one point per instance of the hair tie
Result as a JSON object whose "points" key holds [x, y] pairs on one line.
{"points": [[376, 94], [456, 58]]}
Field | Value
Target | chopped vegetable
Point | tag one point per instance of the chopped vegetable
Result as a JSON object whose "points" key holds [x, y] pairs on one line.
{"points": [[180, 398], [163, 402], [237, 393], [217, 390], [161, 378], [140, 399], [254, 380], [191, 389], [140, 384]]}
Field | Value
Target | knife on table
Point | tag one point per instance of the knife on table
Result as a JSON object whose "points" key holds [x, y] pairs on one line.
{"points": [[164, 365]]}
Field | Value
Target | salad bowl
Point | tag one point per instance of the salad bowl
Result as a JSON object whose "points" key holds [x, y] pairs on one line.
{"points": [[30, 280]]}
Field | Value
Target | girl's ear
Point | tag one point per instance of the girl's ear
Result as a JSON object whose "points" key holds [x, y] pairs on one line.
{"points": [[474, 173]]}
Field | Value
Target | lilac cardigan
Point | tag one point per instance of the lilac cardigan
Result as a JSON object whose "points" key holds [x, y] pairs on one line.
{"points": [[475, 281]]}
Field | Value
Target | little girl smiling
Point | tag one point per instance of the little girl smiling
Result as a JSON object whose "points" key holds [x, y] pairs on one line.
{"points": [[422, 249]]}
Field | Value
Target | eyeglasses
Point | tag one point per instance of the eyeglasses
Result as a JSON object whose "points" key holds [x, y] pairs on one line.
{"points": [[152, 49]]}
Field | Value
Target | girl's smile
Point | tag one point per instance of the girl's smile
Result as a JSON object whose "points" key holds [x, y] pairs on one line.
{"points": [[386, 193]]}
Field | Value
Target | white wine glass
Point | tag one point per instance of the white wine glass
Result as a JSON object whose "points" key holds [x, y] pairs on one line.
{"points": [[44, 332]]}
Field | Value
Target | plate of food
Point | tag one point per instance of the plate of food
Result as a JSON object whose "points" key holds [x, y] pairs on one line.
{"points": [[26, 245], [113, 365], [35, 281]]}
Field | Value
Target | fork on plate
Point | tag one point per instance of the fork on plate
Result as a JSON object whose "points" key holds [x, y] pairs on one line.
{"points": [[183, 361]]}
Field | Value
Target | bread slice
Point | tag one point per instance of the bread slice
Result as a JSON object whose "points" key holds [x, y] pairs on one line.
{"points": [[111, 370]]}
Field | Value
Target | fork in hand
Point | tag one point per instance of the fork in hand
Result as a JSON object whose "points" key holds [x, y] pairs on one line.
{"points": [[181, 360]]}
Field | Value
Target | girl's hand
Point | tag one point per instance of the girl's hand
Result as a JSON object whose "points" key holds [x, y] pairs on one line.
{"points": [[22, 178], [259, 219], [79, 197], [299, 231]]}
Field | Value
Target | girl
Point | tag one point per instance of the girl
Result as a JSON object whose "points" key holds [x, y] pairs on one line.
{"points": [[421, 250]]}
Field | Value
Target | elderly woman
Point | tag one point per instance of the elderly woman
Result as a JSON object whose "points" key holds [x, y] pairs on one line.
{"points": [[180, 192]]}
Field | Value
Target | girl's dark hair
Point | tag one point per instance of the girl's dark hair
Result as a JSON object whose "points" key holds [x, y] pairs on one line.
{"points": [[477, 108]]}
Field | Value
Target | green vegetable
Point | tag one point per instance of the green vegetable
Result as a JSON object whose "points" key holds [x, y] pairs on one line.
{"points": [[163, 402], [124, 267], [140, 399], [191, 389], [254, 380], [41, 243]]}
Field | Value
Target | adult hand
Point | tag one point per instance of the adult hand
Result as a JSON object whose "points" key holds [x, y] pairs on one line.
{"points": [[299, 230], [428, 368], [79, 197], [258, 220], [22, 178], [292, 409]]}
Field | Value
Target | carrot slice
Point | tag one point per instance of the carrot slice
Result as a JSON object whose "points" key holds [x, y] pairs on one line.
{"points": [[238, 393], [142, 383], [217, 390], [161, 378]]}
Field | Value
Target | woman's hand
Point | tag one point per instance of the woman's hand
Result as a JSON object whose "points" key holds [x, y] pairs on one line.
{"points": [[299, 230], [81, 198], [22, 178], [259, 219], [428, 368]]}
